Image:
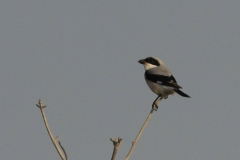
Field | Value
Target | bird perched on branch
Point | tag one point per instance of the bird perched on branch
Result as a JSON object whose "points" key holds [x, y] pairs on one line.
{"points": [[160, 80]]}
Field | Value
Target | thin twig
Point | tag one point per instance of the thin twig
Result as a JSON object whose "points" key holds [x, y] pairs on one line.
{"points": [[54, 140], [134, 143], [64, 151], [116, 143]]}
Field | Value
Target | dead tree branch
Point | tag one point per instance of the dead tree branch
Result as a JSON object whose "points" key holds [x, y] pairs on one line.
{"points": [[54, 140], [116, 143], [134, 143]]}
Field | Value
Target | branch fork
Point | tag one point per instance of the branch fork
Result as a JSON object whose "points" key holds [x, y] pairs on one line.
{"points": [[116, 143]]}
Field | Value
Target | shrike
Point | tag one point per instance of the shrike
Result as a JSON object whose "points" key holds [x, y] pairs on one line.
{"points": [[160, 80]]}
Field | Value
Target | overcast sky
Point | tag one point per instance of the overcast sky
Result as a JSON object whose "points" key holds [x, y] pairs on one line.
{"points": [[81, 59]]}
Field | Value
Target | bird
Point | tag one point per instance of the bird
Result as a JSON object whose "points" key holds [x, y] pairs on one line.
{"points": [[160, 80]]}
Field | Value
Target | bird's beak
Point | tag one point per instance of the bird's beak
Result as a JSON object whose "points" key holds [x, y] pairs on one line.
{"points": [[142, 61]]}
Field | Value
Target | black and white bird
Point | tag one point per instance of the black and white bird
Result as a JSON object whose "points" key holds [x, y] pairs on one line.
{"points": [[160, 80]]}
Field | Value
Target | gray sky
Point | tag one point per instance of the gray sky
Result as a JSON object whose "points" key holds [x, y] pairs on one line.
{"points": [[81, 58]]}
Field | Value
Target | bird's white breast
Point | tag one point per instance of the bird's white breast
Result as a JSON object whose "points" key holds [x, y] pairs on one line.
{"points": [[159, 89]]}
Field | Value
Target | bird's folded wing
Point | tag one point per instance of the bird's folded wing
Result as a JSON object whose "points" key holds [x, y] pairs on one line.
{"points": [[164, 80]]}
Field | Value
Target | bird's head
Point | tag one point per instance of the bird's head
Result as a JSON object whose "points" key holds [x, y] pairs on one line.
{"points": [[150, 62]]}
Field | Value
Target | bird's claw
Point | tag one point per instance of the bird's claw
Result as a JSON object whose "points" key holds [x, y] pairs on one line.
{"points": [[155, 106]]}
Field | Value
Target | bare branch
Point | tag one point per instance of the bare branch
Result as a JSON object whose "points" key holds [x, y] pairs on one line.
{"points": [[116, 143], [54, 140], [134, 143]]}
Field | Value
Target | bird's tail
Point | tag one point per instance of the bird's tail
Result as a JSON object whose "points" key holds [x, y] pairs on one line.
{"points": [[181, 93]]}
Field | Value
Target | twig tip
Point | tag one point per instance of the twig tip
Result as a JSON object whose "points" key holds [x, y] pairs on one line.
{"points": [[56, 138]]}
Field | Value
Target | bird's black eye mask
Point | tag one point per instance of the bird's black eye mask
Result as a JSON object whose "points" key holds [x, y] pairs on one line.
{"points": [[152, 61]]}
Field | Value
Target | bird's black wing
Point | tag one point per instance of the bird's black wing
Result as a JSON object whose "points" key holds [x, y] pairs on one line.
{"points": [[162, 80]]}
